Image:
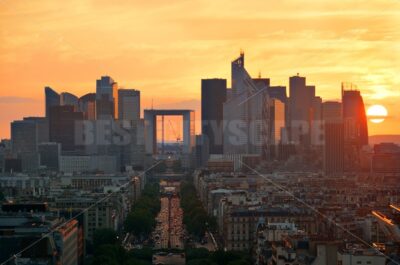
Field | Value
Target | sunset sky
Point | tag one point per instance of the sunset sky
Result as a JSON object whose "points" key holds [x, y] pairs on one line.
{"points": [[164, 48]]}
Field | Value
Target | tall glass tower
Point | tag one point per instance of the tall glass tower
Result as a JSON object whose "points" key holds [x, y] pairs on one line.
{"points": [[355, 128], [52, 98], [213, 96], [106, 98]]}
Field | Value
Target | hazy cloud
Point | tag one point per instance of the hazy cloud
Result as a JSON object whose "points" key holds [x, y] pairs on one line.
{"points": [[17, 100]]}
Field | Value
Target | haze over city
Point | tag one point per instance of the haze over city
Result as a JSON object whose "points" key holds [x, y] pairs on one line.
{"points": [[199, 132]]}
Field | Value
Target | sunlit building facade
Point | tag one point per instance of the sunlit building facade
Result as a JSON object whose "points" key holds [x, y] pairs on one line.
{"points": [[87, 104], [277, 110], [355, 126]]}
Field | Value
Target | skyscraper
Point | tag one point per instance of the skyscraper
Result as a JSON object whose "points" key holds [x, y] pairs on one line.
{"points": [[355, 127], [129, 104], [316, 122], [64, 124], [213, 96], [245, 113], [87, 104], [333, 138], [50, 155], [355, 117], [278, 92], [301, 104], [261, 82], [24, 142], [69, 99], [42, 127], [52, 98], [133, 152], [24, 138], [277, 125], [106, 98]]}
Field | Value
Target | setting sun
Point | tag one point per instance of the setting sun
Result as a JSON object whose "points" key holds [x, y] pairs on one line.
{"points": [[377, 113]]}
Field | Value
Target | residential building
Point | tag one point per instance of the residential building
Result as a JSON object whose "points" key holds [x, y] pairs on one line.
{"points": [[355, 127]]}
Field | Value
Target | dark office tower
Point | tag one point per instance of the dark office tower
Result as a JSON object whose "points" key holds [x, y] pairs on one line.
{"points": [[213, 96], [52, 98], [301, 103], [64, 124], [355, 127], [24, 138], [333, 138], [5, 151], [24, 141], [237, 67], [87, 104], [201, 151], [129, 104], [50, 155], [355, 117], [316, 122], [106, 98], [12, 165], [69, 99], [311, 91], [278, 92], [261, 82], [42, 127]]}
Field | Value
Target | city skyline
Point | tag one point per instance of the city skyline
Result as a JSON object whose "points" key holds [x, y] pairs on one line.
{"points": [[200, 132], [326, 42]]}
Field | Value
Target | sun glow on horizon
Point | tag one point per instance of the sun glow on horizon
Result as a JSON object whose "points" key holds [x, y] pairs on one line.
{"points": [[377, 113]]}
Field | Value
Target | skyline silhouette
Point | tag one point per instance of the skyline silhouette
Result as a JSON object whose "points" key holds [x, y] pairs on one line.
{"points": [[158, 48]]}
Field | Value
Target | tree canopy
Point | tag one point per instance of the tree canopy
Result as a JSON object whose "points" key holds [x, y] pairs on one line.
{"points": [[104, 236], [141, 220], [195, 217]]}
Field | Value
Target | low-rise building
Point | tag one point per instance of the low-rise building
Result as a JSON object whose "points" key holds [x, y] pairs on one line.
{"points": [[354, 254], [51, 239], [84, 163]]}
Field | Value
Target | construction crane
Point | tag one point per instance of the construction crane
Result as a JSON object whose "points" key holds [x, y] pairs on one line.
{"points": [[177, 136]]}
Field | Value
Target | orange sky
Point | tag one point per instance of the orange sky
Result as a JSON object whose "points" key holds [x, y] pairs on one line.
{"points": [[164, 48]]}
